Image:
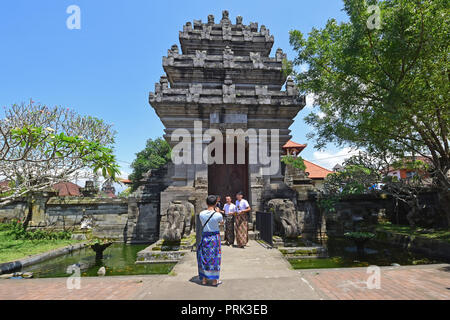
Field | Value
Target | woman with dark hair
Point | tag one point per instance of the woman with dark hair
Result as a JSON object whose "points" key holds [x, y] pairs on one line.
{"points": [[241, 224], [209, 249]]}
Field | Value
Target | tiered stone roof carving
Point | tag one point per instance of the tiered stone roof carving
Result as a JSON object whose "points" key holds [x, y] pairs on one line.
{"points": [[215, 37], [225, 65]]}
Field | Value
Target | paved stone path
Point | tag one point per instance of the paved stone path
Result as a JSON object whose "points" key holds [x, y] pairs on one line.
{"points": [[250, 273]]}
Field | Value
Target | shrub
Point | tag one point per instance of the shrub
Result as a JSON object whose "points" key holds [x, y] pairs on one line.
{"points": [[16, 230]]}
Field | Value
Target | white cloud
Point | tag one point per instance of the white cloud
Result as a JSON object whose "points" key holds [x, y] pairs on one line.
{"points": [[321, 114], [330, 159], [309, 101]]}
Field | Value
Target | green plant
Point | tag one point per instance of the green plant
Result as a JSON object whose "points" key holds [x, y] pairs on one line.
{"points": [[17, 231], [383, 89], [155, 154], [358, 235], [296, 162]]}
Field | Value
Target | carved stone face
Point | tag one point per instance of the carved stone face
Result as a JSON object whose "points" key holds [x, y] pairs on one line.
{"points": [[285, 216]]}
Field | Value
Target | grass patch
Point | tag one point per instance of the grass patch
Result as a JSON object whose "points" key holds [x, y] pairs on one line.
{"points": [[12, 249], [443, 235], [304, 251], [335, 262]]}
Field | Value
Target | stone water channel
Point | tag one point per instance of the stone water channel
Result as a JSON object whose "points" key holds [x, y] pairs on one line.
{"points": [[338, 252], [118, 259]]}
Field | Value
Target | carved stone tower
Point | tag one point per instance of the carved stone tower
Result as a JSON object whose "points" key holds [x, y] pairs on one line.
{"points": [[223, 78]]}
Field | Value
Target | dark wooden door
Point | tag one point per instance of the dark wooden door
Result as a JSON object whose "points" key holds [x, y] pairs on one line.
{"points": [[228, 179]]}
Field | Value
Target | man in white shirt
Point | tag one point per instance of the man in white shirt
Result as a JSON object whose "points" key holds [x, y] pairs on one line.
{"points": [[229, 210], [241, 224]]}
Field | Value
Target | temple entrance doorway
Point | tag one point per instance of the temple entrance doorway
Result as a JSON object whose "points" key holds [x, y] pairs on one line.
{"points": [[228, 179]]}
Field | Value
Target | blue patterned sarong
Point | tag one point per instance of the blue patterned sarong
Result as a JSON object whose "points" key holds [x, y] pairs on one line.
{"points": [[209, 256]]}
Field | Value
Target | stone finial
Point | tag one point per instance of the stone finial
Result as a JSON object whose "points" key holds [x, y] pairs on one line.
{"points": [[159, 87], [199, 59], [151, 97], [254, 26], [210, 19], [279, 55], [187, 27], [171, 53], [239, 20], [164, 82], [198, 24], [291, 89], [263, 29], [257, 60], [174, 49], [225, 17]]}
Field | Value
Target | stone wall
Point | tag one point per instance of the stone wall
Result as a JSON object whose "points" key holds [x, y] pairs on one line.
{"points": [[432, 247], [13, 211], [111, 218], [144, 207], [365, 207]]}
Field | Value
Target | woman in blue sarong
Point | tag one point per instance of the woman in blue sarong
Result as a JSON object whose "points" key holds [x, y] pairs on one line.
{"points": [[209, 249]]}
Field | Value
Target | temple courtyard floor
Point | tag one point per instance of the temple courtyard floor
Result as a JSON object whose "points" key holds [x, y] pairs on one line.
{"points": [[251, 273]]}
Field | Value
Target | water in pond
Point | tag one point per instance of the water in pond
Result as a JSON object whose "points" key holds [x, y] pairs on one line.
{"points": [[342, 253], [118, 259]]}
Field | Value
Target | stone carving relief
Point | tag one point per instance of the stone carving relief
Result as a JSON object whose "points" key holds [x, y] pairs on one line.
{"points": [[229, 93], [263, 94], [199, 59], [257, 60], [248, 34], [226, 32], [285, 217], [193, 94], [228, 58], [206, 31], [176, 223]]}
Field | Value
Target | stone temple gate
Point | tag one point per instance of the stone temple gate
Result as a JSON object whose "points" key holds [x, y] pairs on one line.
{"points": [[224, 78]]}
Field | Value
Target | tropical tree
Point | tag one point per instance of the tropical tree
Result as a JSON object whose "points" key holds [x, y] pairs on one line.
{"points": [[41, 146], [381, 80], [155, 154]]}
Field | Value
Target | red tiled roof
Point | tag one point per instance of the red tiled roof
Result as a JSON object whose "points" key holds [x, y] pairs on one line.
{"points": [[292, 144], [125, 181], [408, 159], [65, 189], [315, 171]]}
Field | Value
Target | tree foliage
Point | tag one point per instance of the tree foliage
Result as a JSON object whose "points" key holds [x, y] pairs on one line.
{"points": [[41, 146], [296, 162], [155, 154], [382, 89]]}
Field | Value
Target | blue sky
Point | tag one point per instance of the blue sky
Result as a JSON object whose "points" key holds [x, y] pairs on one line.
{"points": [[107, 68]]}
